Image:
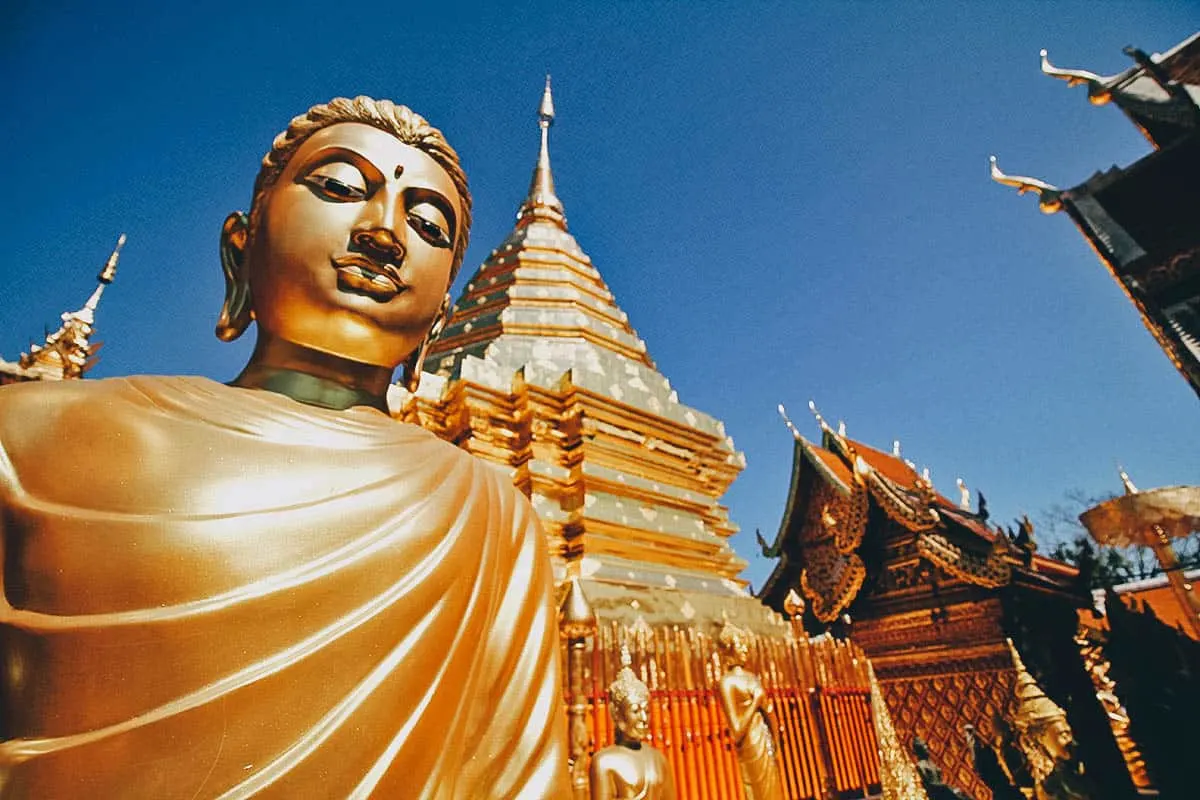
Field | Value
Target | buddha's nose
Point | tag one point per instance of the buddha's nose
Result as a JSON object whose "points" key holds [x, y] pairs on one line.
{"points": [[380, 244]]}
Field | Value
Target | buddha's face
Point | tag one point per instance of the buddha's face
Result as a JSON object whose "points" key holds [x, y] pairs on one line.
{"points": [[1058, 739], [354, 245], [632, 719], [737, 652]]}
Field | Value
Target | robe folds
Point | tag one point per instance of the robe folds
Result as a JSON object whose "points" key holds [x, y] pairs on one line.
{"points": [[211, 591]]}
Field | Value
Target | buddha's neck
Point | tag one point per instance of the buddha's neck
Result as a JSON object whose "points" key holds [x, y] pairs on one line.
{"points": [[314, 378]]}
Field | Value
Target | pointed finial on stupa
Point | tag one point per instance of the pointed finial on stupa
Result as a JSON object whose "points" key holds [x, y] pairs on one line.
{"points": [[67, 352], [1126, 481], [105, 277], [546, 109], [542, 204]]}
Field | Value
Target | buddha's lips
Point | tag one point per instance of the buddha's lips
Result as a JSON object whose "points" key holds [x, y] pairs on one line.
{"points": [[378, 281]]}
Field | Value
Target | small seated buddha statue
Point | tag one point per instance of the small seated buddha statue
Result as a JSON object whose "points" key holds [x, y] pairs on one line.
{"points": [[630, 769]]}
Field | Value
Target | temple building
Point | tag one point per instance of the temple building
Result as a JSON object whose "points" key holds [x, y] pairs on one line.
{"points": [[1141, 219], [933, 592], [68, 352]]}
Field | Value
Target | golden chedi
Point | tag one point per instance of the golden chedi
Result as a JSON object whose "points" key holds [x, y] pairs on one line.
{"points": [[272, 588], [748, 712], [630, 769]]}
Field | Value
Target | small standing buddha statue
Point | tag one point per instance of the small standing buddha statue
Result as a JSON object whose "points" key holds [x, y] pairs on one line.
{"points": [[748, 710], [630, 769]]}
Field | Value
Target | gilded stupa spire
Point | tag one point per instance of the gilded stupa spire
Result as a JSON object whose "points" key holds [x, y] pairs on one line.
{"points": [[542, 204], [67, 352]]}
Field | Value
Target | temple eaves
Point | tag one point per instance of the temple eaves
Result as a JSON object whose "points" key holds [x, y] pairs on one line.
{"points": [[1159, 93]]}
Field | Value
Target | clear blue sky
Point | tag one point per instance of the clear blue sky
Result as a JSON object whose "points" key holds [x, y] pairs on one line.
{"points": [[790, 200]]}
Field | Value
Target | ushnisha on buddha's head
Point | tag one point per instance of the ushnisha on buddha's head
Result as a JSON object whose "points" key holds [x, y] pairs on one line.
{"points": [[359, 222], [629, 704]]}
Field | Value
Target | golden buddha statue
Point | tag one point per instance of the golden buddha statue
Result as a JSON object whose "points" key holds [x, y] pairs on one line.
{"points": [[272, 588], [748, 711], [630, 769]]}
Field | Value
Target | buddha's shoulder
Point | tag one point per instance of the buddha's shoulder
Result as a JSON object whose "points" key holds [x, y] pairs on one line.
{"points": [[31, 410], [34, 402]]}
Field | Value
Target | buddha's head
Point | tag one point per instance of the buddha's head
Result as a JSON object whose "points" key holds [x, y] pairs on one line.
{"points": [[629, 704], [358, 223], [734, 644]]}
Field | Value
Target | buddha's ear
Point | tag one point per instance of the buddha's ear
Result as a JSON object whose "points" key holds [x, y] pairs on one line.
{"points": [[238, 309]]}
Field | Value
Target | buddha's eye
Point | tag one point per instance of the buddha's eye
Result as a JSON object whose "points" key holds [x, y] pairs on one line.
{"points": [[337, 181], [430, 224]]}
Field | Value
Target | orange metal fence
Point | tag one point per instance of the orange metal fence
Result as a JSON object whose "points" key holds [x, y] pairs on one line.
{"points": [[819, 690]]}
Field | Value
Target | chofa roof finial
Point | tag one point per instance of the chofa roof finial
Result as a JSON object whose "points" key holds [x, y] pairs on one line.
{"points": [[1098, 93], [1050, 197]]}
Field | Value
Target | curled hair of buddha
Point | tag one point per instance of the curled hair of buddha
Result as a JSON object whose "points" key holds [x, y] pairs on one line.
{"points": [[628, 687], [400, 121]]}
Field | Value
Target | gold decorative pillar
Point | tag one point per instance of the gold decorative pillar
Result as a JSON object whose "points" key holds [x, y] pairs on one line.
{"points": [[576, 623]]}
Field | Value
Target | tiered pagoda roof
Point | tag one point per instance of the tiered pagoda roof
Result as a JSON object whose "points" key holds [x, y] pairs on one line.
{"points": [[539, 369], [838, 484], [1140, 219]]}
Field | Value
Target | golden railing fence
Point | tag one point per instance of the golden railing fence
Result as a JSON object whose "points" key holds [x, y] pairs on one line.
{"points": [[820, 690]]}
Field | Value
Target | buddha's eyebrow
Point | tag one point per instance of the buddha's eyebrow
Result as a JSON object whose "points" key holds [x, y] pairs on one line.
{"points": [[335, 152]]}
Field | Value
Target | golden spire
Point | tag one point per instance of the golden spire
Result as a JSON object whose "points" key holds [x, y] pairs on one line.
{"points": [[67, 352], [542, 204]]}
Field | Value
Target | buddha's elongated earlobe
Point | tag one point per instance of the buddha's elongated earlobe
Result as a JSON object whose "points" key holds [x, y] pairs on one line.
{"points": [[415, 364], [238, 308]]}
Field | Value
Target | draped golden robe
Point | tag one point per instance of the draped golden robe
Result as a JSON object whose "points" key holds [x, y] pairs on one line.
{"points": [[220, 592]]}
